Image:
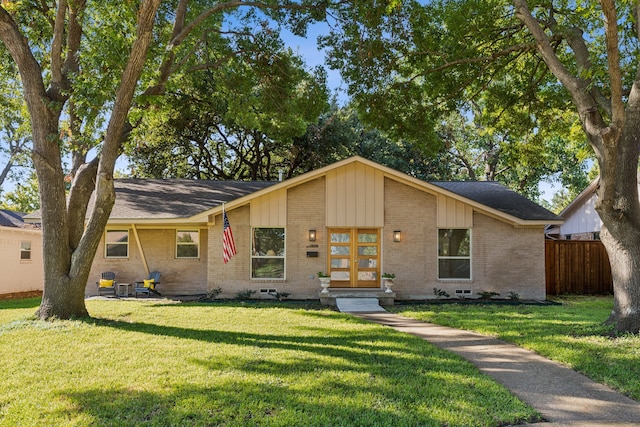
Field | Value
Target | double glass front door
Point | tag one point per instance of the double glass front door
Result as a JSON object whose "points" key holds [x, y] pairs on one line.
{"points": [[354, 258]]}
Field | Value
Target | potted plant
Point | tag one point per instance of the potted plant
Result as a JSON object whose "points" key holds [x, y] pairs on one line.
{"points": [[325, 281], [387, 281]]}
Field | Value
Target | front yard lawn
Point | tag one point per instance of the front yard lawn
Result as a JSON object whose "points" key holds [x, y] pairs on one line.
{"points": [[572, 333], [157, 363]]}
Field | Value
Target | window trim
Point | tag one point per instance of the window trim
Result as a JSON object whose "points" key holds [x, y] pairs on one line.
{"points": [[283, 256], [25, 251], [196, 243], [107, 243], [449, 257]]}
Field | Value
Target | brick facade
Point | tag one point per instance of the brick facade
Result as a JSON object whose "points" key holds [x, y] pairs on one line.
{"points": [[504, 258], [180, 276]]}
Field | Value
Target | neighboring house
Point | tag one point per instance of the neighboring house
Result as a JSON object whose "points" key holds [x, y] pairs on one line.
{"points": [[20, 254], [581, 221], [354, 220]]}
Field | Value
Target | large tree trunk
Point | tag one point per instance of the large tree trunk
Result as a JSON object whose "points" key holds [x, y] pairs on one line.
{"points": [[70, 244], [612, 127], [624, 255], [62, 297], [619, 209]]}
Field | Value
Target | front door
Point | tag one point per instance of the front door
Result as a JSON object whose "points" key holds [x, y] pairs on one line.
{"points": [[354, 258]]}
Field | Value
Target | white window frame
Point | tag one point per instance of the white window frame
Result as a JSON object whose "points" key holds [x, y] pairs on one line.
{"points": [[256, 256], [450, 257], [195, 243], [107, 243], [25, 253]]}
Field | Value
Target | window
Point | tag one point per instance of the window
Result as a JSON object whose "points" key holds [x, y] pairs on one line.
{"points": [[267, 253], [116, 243], [454, 253], [187, 244], [25, 250]]}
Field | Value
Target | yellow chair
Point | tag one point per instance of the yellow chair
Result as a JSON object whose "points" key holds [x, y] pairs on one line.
{"points": [[149, 285], [107, 285]]}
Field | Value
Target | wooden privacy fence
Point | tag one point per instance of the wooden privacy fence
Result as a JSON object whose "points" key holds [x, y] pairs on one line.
{"points": [[577, 267]]}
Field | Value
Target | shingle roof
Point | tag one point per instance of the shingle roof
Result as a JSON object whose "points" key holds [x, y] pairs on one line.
{"points": [[499, 197], [176, 198], [11, 219]]}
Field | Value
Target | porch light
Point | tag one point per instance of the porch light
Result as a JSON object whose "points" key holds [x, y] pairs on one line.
{"points": [[312, 235], [397, 235]]}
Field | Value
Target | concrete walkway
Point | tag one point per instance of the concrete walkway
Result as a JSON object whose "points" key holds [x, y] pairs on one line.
{"points": [[562, 396]]}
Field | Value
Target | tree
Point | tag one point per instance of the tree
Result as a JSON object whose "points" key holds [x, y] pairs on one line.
{"points": [[200, 130], [480, 150], [528, 59], [15, 140], [340, 133], [24, 198], [79, 82]]}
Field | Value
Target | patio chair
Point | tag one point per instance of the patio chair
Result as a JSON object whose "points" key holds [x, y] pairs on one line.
{"points": [[148, 286], [107, 284]]}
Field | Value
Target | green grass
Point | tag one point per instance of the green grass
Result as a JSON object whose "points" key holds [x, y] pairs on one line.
{"points": [[572, 333], [155, 363]]}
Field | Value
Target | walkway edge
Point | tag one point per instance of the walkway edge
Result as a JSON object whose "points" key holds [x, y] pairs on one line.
{"points": [[558, 393]]}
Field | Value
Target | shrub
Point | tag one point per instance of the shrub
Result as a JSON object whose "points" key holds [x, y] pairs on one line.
{"points": [[245, 294]]}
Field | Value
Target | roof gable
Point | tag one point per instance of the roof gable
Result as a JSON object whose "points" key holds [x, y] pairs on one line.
{"points": [[490, 197]]}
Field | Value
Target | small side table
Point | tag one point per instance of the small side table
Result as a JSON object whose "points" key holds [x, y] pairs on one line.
{"points": [[125, 289]]}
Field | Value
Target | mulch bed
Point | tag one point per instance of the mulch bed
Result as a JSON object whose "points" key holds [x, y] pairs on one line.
{"points": [[20, 295]]}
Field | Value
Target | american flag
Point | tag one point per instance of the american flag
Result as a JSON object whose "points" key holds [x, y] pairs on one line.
{"points": [[228, 245]]}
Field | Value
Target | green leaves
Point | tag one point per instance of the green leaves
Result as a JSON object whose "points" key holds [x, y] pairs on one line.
{"points": [[235, 118]]}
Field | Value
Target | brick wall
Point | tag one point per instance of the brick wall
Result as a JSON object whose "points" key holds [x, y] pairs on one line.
{"points": [[179, 276], [413, 259], [305, 211], [504, 258], [508, 259]]}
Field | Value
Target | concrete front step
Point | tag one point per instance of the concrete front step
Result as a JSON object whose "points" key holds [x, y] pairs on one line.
{"points": [[359, 305], [384, 298]]}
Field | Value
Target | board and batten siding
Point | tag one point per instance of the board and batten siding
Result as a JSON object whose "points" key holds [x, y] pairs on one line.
{"points": [[582, 218], [270, 210], [453, 213], [355, 196]]}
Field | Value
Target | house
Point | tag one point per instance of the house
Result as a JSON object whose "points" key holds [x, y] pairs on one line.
{"points": [[354, 220], [581, 221], [20, 254]]}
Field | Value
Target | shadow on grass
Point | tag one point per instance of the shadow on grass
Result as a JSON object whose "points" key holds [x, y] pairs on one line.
{"points": [[233, 405], [375, 376], [327, 341]]}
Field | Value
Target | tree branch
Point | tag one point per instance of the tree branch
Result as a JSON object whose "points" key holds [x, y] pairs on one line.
{"points": [[105, 193], [56, 49], [74, 36], [578, 88], [613, 59]]}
